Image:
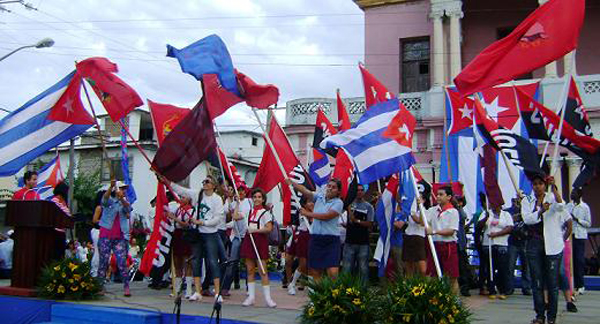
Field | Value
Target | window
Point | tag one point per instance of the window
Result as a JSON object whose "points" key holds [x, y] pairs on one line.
{"points": [[254, 141], [414, 64], [115, 164], [503, 32]]}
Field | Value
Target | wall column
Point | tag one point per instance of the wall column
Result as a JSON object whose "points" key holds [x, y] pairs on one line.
{"points": [[570, 63], [455, 15], [438, 47]]}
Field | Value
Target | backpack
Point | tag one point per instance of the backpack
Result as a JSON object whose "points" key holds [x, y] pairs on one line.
{"points": [[275, 234]]}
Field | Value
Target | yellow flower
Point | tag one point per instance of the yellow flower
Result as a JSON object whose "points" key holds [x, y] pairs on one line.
{"points": [[433, 301], [74, 288], [61, 289], [356, 301], [406, 317], [311, 311], [82, 284], [50, 287], [450, 319], [57, 268], [337, 308], [70, 280], [442, 321], [335, 292], [64, 275], [72, 266], [77, 277]]}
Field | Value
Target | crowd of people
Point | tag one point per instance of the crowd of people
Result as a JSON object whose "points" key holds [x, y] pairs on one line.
{"points": [[219, 226]]}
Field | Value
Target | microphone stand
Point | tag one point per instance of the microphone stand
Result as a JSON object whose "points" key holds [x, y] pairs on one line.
{"points": [[217, 306], [178, 298]]}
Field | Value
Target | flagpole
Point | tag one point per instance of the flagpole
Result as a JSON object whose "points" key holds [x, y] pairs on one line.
{"points": [[436, 262], [276, 155], [446, 139], [230, 173], [87, 95], [490, 251], [561, 102]]}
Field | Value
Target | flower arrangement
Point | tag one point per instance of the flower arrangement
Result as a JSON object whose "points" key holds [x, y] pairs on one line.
{"points": [[68, 279], [422, 300], [343, 300]]}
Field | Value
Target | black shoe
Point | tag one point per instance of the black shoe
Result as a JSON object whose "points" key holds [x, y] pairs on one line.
{"points": [[571, 307], [236, 285], [465, 293], [527, 292]]}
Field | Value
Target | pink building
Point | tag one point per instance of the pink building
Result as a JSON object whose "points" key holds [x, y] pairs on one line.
{"points": [[416, 47]]}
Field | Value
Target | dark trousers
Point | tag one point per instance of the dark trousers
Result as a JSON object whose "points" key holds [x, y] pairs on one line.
{"points": [[544, 274], [214, 248], [484, 266], [232, 272], [500, 284], [515, 251], [465, 278], [578, 262]]}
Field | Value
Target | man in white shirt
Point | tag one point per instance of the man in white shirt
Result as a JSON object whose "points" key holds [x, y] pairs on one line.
{"points": [[444, 221], [582, 220], [545, 214], [498, 225], [6, 256]]}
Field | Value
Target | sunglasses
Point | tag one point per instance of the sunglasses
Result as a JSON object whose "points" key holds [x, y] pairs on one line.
{"points": [[206, 181]]}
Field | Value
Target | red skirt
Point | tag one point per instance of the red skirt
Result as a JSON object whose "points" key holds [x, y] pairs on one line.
{"points": [[181, 248], [447, 256], [262, 245], [299, 246]]}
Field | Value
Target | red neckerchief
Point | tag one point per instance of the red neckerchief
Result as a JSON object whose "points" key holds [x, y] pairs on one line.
{"points": [[255, 210], [448, 206]]}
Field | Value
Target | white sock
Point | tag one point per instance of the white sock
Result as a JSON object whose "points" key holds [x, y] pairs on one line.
{"points": [[267, 294], [311, 279], [295, 278], [188, 286], [251, 292], [176, 285]]}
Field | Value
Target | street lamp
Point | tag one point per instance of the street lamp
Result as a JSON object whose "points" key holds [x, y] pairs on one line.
{"points": [[46, 42]]}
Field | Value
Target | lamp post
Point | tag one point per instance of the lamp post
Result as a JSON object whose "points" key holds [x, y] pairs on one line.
{"points": [[46, 42]]}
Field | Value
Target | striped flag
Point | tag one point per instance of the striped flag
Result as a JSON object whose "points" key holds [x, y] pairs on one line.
{"points": [[28, 132], [48, 177], [384, 212], [130, 193]]}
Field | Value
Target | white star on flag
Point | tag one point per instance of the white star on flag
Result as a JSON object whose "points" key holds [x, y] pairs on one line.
{"points": [[493, 109], [466, 112], [68, 105]]}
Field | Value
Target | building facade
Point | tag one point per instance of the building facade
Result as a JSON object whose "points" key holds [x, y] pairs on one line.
{"points": [[416, 48]]}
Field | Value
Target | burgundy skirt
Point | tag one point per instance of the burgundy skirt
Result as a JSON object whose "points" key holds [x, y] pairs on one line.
{"points": [[181, 248], [299, 246], [262, 245]]}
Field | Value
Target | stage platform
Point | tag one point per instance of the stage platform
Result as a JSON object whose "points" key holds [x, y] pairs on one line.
{"points": [[156, 307]]}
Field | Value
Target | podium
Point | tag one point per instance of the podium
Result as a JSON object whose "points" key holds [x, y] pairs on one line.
{"points": [[34, 222]]}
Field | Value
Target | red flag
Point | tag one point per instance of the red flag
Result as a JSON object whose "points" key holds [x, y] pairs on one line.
{"points": [[402, 127], [269, 174], [218, 99], [230, 170], [343, 118], [457, 188], [323, 129], [287, 205], [490, 181], [257, 95], [546, 35], [191, 142], [68, 108], [576, 114], [165, 118], [375, 91], [152, 251], [344, 171], [117, 96], [461, 109]]}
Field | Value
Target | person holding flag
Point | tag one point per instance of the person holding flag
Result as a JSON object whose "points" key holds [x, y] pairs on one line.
{"points": [[544, 213], [324, 245], [444, 221], [414, 253]]}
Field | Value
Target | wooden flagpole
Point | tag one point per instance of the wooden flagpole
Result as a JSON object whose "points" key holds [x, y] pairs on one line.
{"points": [[102, 143], [561, 102]]}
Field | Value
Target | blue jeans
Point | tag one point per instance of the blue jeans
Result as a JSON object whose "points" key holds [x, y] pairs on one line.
{"points": [[234, 266], [358, 253], [578, 262], [514, 251], [544, 274]]}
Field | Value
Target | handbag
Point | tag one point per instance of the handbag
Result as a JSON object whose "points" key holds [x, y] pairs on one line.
{"points": [[191, 234]]}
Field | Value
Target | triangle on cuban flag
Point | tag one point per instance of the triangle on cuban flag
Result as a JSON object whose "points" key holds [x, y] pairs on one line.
{"points": [[48, 177], [29, 131], [375, 91], [402, 127]]}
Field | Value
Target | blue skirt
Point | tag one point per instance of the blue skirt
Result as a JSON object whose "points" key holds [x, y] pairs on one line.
{"points": [[324, 251]]}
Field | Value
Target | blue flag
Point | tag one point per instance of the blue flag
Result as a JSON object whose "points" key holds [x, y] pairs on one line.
{"points": [[207, 56], [130, 193]]}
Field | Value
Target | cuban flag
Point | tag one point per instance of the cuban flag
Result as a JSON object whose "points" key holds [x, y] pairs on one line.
{"points": [[48, 177], [320, 169], [384, 213], [51, 118], [380, 142]]}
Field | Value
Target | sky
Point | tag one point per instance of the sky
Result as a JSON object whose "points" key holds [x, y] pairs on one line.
{"points": [[306, 48]]}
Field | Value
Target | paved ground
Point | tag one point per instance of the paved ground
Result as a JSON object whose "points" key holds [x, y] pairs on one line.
{"points": [[516, 309]]}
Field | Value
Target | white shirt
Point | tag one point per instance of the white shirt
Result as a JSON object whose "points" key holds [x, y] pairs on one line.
{"points": [[342, 221], [582, 219], [211, 209], [554, 218], [496, 223], [6, 254], [239, 227], [413, 227], [439, 220]]}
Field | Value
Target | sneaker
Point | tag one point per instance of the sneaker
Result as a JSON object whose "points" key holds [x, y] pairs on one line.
{"points": [[483, 292], [581, 290], [301, 288], [195, 297], [187, 296], [492, 296], [502, 297], [236, 286], [292, 291], [571, 307], [207, 293], [126, 292], [465, 292], [225, 293], [219, 299], [284, 286]]}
